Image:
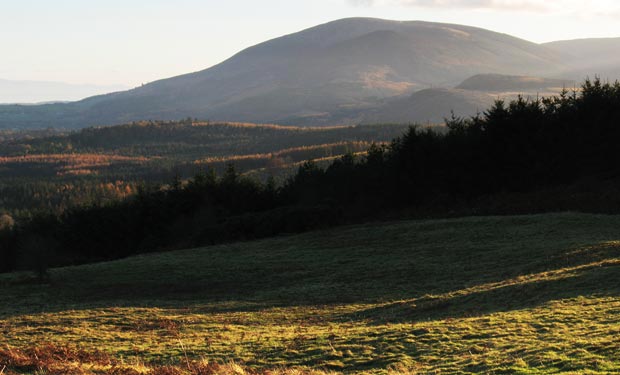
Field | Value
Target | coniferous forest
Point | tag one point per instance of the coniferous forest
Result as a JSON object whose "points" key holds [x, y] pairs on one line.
{"points": [[523, 156]]}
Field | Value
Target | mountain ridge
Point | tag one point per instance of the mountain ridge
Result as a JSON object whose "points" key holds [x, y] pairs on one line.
{"points": [[327, 74]]}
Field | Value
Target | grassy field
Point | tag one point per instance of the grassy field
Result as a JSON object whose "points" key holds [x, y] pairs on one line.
{"points": [[502, 295]]}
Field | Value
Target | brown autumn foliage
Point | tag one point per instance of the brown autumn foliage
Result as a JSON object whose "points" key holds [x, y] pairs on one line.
{"points": [[69, 159], [249, 125], [53, 359], [6, 222], [73, 164], [294, 152]]}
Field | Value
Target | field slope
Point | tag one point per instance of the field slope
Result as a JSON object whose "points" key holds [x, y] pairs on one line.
{"points": [[529, 294]]}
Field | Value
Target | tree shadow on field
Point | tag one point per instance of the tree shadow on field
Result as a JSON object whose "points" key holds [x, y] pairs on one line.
{"points": [[596, 278], [346, 278]]}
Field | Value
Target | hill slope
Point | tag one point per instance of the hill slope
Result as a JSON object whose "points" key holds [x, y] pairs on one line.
{"points": [[472, 96], [529, 294], [344, 64], [36, 172], [431, 105], [589, 57], [504, 83]]}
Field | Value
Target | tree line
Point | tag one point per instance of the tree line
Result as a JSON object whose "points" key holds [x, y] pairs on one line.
{"points": [[527, 155]]}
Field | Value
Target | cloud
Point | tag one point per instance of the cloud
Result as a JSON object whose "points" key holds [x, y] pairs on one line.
{"points": [[478, 4], [366, 3], [591, 7]]}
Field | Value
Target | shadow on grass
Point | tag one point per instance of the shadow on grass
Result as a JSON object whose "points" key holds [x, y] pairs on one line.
{"points": [[601, 278], [247, 287]]}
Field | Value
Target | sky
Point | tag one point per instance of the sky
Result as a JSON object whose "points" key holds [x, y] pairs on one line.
{"points": [[131, 42]]}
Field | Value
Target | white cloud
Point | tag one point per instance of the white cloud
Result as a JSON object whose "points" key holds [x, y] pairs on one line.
{"points": [[593, 7], [479, 4], [362, 2]]}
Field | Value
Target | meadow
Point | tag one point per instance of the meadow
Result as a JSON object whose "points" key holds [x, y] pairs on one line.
{"points": [[536, 294]]}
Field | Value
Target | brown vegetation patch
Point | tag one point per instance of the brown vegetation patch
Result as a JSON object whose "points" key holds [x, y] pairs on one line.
{"points": [[249, 125], [294, 153], [53, 359], [73, 164], [56, 360], [167, 325]]}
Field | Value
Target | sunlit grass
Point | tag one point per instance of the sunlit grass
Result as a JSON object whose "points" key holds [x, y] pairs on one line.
{"points": [[532, 295]]}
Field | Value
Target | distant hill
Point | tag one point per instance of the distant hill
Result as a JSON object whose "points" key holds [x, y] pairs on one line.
{"points": [[39, 92], [431, 105], [473, 95], [589, 51], [590, 57], [341, 66], [505, 83], [36, 167]]}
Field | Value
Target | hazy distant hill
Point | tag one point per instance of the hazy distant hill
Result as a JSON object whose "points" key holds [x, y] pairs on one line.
{"points": [[431, 105], [473, 95], [343, 65], [345, 72], [505, 83], [589, 57], [37, 91]]}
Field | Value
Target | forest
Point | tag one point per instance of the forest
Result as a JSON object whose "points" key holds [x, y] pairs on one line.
{"points": [[52, 171], [524, 156]]}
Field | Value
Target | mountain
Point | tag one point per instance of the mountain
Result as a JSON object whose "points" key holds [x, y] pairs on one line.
{"points": [[472, 96], [37, 91], [506, 83], [430, 105], [589, 57], [315, 76]]}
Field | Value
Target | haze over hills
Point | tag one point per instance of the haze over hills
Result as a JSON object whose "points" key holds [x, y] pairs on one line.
{"points": [[506, 83], [12, 91], [430, 105], [589, 57], [472, 96], [345, 71]]}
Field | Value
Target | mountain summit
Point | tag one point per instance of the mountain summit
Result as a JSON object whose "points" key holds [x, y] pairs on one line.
{"points": [[325, 74]]}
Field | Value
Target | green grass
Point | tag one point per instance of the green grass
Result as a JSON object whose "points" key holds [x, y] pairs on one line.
{"points": [[529, 294]]}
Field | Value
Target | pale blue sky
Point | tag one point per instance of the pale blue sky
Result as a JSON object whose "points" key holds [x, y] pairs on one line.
{"points": [[137, 41]]}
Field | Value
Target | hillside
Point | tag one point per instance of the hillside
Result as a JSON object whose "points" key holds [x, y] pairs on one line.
{"points": [[523, 156], [472, 96], [431, 105], [505, 83], [314, 74], [47, 170], [527, 294], [591, 51], [590, 57]]}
